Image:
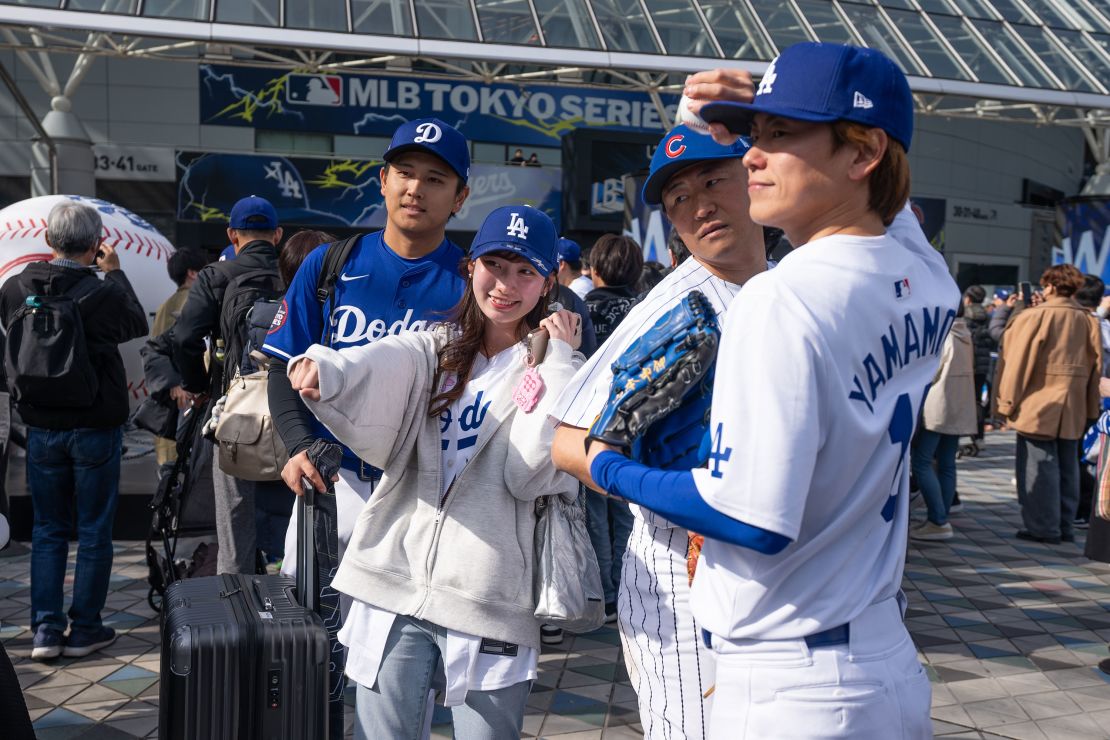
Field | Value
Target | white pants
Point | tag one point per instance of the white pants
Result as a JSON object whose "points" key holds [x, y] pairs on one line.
{"points": [[351, 494], [873, 688], [668, 665]]}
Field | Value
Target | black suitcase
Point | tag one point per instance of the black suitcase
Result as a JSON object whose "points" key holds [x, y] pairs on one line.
{"points": [[242, 658]]}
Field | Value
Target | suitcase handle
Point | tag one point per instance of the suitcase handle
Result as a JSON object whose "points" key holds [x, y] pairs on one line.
{"points": [[307, 589]]}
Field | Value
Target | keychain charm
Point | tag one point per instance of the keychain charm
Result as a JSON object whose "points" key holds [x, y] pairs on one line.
{"points": [[528, 390]]}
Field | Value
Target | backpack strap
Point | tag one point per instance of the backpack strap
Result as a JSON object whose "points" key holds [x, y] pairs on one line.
{"points": [[334, 259]]}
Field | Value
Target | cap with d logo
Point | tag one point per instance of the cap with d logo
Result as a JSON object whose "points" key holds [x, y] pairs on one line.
{"points": [[524, 230], [825, 83], [680, 148], [433, 136]]}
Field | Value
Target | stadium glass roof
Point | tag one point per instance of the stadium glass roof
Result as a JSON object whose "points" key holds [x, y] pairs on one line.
{"points": [[1044, 61]]}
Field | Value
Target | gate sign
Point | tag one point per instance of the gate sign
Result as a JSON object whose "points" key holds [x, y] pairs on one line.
{"points": [[533, 115], [1085, 241]]}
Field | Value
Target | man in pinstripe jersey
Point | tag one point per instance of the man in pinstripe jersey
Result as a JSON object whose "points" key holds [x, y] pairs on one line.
{"points": [[702, 187]]}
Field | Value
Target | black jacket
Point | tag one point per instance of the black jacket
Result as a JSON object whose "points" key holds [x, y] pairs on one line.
{"points": [[111, 315], [200, 316], [608, 307], [978, 323]]}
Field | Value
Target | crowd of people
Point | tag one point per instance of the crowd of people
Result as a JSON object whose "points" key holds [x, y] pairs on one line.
{"points": [[758, 574]]}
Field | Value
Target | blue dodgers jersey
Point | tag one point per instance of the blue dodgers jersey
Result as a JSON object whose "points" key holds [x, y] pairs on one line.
{"points": [[378, 294]]}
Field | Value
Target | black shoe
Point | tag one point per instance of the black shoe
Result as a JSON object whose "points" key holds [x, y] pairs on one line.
{"points": [[1081, 522], [1023, 534], [1069, 537], [1104, 666], [551, 635], [610, 612]]}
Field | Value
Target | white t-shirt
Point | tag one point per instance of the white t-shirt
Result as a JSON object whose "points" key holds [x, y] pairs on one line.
{"points": [[367, 627], [584, 397], [823, 365], [581, 285]]}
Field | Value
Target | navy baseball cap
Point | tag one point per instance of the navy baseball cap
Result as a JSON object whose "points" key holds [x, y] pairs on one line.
{"points": [[1001, 294], [525, 230], [680, 148], [568, 250], [254, 213], [825, 83], [435, 137]]}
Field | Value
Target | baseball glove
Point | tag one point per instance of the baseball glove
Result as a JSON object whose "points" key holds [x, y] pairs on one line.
{"points": [[659, 398]]}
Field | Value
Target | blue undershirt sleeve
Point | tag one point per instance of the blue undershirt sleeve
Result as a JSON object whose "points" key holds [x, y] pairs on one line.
{"points": [[674, 495]]}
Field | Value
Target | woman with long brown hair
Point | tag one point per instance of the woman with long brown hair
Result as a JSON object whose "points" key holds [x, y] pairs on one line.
{"points": [[440, 563]]}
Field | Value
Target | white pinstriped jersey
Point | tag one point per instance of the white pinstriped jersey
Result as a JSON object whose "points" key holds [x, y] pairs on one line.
{"points": [[587, 392]]}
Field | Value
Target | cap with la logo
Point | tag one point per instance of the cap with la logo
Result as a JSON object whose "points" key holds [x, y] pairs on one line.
{"points": [[435, 137], [525, 230], [825, 83], [681, 147]]}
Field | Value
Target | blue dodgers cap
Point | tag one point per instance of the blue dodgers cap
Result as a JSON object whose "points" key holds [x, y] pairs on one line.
{"points": [[568, 250], [824, 83], [525, 230], [680, 148], [253, 213], [1001, 294], [435, 137]]}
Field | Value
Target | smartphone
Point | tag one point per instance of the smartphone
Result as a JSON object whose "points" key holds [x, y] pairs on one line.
{"points": [[537, 346], [1026, 292]]}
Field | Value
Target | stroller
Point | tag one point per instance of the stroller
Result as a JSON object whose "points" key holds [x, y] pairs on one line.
{"points": [[182, 506]]}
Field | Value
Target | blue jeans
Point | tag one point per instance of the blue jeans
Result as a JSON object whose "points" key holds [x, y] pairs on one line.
{"points": [[66, 466], [938, 487], [394, 707], [609, 523]]}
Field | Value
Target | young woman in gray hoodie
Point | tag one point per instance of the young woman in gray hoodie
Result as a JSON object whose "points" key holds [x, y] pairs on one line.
{"points": [[440, 564]]}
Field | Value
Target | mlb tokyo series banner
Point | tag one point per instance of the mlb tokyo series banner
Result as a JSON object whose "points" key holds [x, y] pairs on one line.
{"points": [[336, 191], [533, 115], [1084, 241]]}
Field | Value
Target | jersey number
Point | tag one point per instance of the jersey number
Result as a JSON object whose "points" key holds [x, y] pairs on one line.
{"points": [[718, 456], [901, 428]]}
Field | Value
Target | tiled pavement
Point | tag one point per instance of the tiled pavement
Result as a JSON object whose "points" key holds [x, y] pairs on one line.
{"points": [[1010, 633]]}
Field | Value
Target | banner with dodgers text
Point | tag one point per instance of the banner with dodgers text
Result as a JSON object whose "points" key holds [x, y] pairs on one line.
{"points": [[1084, 239], [354, 104], [337, 191]]}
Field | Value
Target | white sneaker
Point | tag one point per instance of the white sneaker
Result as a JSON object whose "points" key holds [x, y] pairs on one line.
{"points": [[956, 508], [930, 531]]}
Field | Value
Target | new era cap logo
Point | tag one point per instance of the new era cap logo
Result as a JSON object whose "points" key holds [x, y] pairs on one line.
{"points": [[516, 226], [674, 146], [427, 133], [768, 80], [861, 101]]}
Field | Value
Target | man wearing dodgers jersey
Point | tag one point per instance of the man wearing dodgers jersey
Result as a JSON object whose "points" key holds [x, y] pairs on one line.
{"points": [[702, 187], [823, 365], [399, 279], [402, 278]]}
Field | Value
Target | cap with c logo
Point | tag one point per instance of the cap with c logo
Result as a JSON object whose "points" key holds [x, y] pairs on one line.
{"points": [[680, 148]]}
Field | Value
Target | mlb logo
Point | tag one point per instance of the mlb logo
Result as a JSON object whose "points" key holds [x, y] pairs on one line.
{"points": [[902, 288], [302, 89]]}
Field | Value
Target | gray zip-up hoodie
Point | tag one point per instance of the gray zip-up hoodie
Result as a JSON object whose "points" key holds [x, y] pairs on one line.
{"points": [[464, 560]]}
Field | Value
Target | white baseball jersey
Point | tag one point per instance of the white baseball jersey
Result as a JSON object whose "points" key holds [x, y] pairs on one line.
{"points": [[823, 365], [668, 665]]}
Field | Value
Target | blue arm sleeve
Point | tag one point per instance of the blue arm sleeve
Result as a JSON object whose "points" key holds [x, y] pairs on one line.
{"points": [[673, 494]]}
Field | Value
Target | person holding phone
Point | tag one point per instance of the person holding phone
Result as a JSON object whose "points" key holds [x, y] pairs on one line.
{"points": [[1047, 390], [440, 564]]}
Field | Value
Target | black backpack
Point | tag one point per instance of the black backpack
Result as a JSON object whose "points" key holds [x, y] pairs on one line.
{"points": [[242, 292], [334, 259], [47, 356]]}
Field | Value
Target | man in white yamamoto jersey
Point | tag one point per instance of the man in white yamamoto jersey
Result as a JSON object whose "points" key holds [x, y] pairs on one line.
{"points": [[702, 187], [823, 365]]}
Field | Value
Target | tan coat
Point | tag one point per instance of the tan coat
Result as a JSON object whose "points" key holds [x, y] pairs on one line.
{"points": [[950, 407], [1049, 370]]}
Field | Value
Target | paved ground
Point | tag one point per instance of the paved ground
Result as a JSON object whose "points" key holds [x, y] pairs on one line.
{"points": [[1010, 633]]}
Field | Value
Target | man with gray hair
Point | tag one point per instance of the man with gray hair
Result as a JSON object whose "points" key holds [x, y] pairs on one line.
{"points": [[66, 374]]}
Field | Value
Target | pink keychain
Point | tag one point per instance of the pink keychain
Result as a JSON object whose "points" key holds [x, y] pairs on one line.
{"points": [[528, 390]]}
